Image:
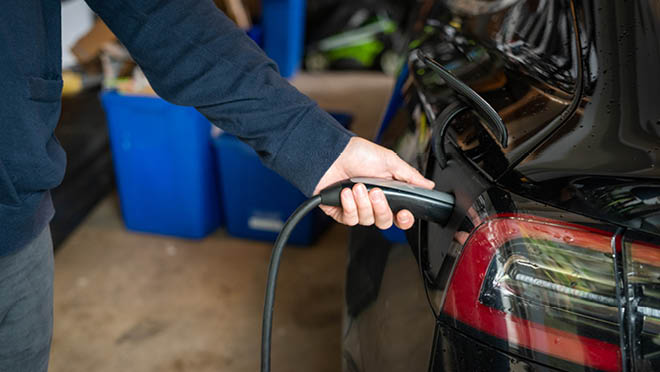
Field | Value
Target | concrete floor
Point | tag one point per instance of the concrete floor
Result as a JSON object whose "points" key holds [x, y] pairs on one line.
{"points": [[134, 302]]}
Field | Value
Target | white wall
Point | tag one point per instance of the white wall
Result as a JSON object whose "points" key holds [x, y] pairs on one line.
{"points": [[77, 19]]}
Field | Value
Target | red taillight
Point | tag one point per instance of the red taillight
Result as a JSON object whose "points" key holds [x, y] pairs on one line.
{"points": [[541, 286], [643, 275]]}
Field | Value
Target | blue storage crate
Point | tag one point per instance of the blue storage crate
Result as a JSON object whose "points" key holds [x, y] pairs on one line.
{"points": [[164, 164], [283, 24], [256, 200], [256, 34]]}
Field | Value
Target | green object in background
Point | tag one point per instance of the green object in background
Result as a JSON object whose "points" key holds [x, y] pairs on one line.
{"points": [[364, 53], [362, 46], [358, 36]]}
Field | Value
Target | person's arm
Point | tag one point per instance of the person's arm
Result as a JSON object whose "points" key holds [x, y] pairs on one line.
{"points": [[194, 55]]}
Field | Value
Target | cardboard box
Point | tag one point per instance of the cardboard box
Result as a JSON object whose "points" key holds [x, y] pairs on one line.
{"points": [[89, 47]]}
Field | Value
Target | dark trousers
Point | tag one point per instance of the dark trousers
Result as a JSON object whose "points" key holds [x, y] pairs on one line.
{"points": [[26, 306]]}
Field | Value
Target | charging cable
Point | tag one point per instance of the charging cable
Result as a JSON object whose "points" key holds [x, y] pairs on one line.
{"points": [[426, 204]]}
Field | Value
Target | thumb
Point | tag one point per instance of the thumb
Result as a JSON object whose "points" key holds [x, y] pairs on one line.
{"points": [[402, 171]]}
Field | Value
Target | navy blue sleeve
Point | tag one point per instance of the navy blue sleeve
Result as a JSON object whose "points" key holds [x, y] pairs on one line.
{"points": [[193, 55]]}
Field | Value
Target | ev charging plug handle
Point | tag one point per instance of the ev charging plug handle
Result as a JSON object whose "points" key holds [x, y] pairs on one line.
{"points": [[430, 205]]}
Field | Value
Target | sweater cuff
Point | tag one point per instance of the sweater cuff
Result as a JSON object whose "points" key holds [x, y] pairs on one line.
{"points": [[310, 149]]}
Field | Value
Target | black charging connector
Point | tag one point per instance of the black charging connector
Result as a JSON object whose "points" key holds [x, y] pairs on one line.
{"points": [[430, 205], [425, 204]]}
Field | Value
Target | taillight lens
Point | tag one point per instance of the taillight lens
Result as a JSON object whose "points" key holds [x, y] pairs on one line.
{"points": [[643, 275], [544, 289]]}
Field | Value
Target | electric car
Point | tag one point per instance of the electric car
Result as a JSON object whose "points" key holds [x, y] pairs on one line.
{"points": [[543, 119]]}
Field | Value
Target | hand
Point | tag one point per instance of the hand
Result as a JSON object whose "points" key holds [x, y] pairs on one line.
{"points": [[363, 158]]}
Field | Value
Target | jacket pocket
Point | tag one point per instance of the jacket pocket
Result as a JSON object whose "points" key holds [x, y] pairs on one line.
{"points": [[43, 90], [43, 103]]}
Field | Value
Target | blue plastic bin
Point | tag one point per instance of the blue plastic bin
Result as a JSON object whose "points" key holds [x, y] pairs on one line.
{"points": [[256, 200], [164, 164], [256, 34], [283, 24]]}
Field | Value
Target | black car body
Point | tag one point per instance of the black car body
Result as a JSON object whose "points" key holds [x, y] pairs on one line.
{"points": [[551, 260]]}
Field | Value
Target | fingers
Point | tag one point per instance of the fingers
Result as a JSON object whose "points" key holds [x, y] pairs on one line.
{"points": [[349, 208], [381, 209], [359, 206], [363, 207], [365, 211], [404, 219], [335, 213], [402, 171], [348, 213]]}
